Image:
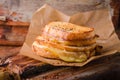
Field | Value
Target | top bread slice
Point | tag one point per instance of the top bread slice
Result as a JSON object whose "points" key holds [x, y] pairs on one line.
{"points": [[68, 31]]}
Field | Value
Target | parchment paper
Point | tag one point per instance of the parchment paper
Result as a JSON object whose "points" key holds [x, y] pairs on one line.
{"points": [[99, 19]]}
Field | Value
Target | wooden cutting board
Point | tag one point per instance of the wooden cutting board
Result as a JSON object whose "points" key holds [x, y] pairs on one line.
{"points": [[106, 68]]}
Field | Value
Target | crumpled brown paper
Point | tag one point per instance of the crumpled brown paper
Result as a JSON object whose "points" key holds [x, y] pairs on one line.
{"points": [[99, 19]]}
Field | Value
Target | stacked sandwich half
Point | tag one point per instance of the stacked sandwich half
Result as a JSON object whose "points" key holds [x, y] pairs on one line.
{"points": [[66, 41]]}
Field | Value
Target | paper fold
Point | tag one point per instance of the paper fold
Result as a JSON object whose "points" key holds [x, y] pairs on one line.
{"points": [[100, 20]]}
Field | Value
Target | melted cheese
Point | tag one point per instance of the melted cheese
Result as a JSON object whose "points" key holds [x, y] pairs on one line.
{"points": [[65, 55]]}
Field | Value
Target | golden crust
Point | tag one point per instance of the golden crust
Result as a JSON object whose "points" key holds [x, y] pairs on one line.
{"points": [[67, 31], [42, 52]]}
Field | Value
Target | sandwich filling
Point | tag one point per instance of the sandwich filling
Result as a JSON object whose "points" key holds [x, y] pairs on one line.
{"points": [[64, 55]]}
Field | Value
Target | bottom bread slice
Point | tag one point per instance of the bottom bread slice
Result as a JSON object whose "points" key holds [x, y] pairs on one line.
{"points": [[54, 53]]}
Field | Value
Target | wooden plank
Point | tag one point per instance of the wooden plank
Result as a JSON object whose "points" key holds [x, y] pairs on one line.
{"points": [[12, 35], [13, 23], [7, 51], [11, 43], [27, 67]]}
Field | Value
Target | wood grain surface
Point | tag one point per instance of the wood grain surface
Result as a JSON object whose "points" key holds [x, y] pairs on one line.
{"points": [[98, 69], [13, 33]]}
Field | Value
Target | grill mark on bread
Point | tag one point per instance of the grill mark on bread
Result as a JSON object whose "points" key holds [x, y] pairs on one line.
{"points": [[64, 26]]}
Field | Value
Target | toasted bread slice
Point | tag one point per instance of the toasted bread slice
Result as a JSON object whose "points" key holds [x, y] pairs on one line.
{"points": [[68, 31]]}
